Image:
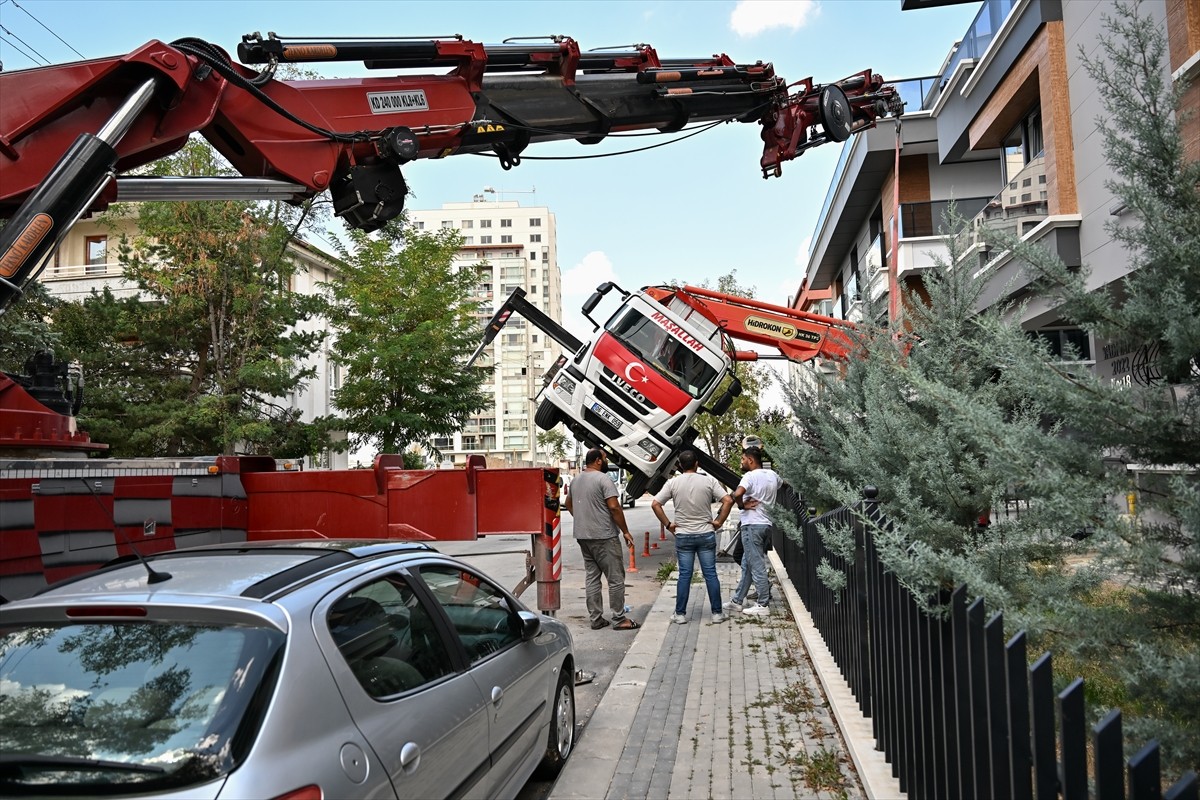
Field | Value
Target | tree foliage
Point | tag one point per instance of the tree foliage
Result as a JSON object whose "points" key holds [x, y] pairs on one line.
{"points": [[1144, 622], [969, 418], [206, 358], [405, 326], [555, 442], [25, 328], [721, 436]]}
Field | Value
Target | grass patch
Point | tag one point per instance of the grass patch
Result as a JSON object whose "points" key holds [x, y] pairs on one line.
{"points": [[821, 770], [665, 570]]}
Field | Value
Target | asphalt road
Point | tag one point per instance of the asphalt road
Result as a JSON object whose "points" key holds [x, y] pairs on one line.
{"points": [[601, 652]]}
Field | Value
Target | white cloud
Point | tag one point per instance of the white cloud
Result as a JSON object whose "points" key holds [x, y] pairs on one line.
{"points": [[584, 277], [752, 17]]}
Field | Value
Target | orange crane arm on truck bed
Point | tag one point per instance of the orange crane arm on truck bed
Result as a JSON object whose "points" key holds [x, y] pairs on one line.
{"points": [[799, 335]]}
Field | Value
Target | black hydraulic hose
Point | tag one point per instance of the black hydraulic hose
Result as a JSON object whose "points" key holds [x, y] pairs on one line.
{"points": [[215, 58]]}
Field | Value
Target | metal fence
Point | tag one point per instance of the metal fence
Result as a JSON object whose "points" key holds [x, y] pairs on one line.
{"points": [[956, 709]]}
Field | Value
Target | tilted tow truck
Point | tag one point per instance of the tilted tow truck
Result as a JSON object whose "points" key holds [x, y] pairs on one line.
{"points": [[70, 134], [658, 362]]}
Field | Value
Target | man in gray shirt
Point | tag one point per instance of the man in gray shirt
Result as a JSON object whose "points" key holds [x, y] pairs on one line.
{"points": [[596, 510], [695, 530]]}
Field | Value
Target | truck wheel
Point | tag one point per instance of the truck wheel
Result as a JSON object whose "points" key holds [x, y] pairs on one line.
{"points": [[546, 416], [562, 725], [637, 486], [657, 484]]}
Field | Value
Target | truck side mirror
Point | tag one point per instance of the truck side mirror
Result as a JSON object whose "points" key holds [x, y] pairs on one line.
{"points": [[590, 304], [726, 400]]}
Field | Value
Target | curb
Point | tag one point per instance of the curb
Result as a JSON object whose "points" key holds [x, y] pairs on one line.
{"points": [[874, 771]]}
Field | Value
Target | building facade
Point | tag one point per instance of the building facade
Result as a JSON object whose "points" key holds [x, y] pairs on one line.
{"points": [[510, 246], [87, 260], [1006, 130]]}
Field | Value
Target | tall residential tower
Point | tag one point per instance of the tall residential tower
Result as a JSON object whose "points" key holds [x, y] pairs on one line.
{"points": [[511, 245]]}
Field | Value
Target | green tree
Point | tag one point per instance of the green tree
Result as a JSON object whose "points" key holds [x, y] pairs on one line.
{"points": [[25, 328], [556, 442], [220, 323], [405, 326], [1143, 624], [721, 436]]}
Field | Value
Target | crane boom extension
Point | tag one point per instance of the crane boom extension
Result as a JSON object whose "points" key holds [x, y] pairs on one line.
{"points": [[67, 130]]}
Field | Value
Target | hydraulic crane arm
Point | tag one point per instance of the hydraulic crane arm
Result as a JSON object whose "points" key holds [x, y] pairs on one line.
{"points": [[67, 130], [799, 335]]}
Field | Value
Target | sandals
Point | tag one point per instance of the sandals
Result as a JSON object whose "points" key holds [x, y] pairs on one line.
{"points": [[626, 624]]}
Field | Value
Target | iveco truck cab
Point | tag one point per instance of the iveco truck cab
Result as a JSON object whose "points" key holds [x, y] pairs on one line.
{"points": [[637, 384]]}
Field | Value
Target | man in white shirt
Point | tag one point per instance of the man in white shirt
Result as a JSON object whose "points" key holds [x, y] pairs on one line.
{"points": [[695, 529], [754, 494]]}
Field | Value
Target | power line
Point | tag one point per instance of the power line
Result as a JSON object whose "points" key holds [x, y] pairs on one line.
{"points": [[18, 49], [52, 33]]}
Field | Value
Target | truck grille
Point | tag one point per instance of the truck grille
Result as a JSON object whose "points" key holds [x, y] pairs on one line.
{"points": [[617, 405]]}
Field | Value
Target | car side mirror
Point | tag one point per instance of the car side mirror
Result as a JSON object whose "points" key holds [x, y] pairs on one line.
{"points": [[531, 624]]}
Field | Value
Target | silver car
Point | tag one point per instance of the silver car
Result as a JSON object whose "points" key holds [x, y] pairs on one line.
{"points": [[291, 670]]}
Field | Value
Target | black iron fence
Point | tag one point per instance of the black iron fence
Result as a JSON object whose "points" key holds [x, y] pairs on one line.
{"points": [[956, 709]]}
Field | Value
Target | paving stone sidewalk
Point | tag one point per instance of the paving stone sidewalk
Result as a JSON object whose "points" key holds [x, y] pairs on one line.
{"points": [[704, 710]]}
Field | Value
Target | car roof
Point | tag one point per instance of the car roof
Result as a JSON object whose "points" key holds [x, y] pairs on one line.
{"points": [[255, 570]]}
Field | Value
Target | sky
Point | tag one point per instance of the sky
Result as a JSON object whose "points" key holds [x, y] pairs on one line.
{"points": [[690, 211]]}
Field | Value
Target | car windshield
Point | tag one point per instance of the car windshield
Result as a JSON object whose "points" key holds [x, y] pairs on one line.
{"points": [[657, 348], [141, 706]]}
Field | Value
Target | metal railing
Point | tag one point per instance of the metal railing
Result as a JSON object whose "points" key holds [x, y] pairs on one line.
{"points": [[954, 706]]}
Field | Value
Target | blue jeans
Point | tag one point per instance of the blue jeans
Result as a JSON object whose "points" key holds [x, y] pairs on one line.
{"points": [[754, 564], [687, 547]]}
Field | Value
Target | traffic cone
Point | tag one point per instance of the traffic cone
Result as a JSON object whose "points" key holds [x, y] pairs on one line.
{"points": [[632, 564], [646, 551], [662, 532]]}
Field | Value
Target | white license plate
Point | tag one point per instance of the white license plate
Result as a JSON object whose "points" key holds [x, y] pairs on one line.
{"points": [[607, 415]]}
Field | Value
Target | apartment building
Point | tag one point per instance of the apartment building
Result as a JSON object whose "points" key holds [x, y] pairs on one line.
{"points": [[87, 260], [511, 246], [1005, 128]]}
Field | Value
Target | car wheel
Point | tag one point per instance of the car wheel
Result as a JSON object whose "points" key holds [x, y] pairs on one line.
{"points": [[562, 725]]}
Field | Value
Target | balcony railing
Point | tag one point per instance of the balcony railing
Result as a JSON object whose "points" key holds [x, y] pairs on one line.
{"points": [[975, 41], [929, 218]]}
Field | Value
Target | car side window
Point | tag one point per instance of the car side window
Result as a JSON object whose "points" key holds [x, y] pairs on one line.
{"points": [[388, 638], [480, 613]]}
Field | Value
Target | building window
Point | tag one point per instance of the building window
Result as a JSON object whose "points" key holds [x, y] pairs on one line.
{"points": [[96, 249], [468, 240], [545, 255], [506, 239], [485, 223], [506, 223], [1023, 144], [419, 225], [535, 222], [485, 240], [537, 237], [468, 223], [447, 223], [533, 289], [1062, 341]]}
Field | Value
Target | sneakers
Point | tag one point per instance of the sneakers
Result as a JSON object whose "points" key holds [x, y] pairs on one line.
{"points": [[752, 594], [679, 619], [732, 605], [718, 618], [757, 611]]}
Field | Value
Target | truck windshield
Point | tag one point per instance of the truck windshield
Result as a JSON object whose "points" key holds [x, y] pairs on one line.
{"points": [[667, 354]]}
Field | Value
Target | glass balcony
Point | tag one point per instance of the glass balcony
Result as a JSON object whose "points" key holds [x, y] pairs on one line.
{"points": [[975, 41], [1022, 205], [929, 218]]}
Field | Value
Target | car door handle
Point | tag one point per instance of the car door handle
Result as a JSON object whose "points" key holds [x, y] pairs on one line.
{"points": [[410, 758], [497, 696]]}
